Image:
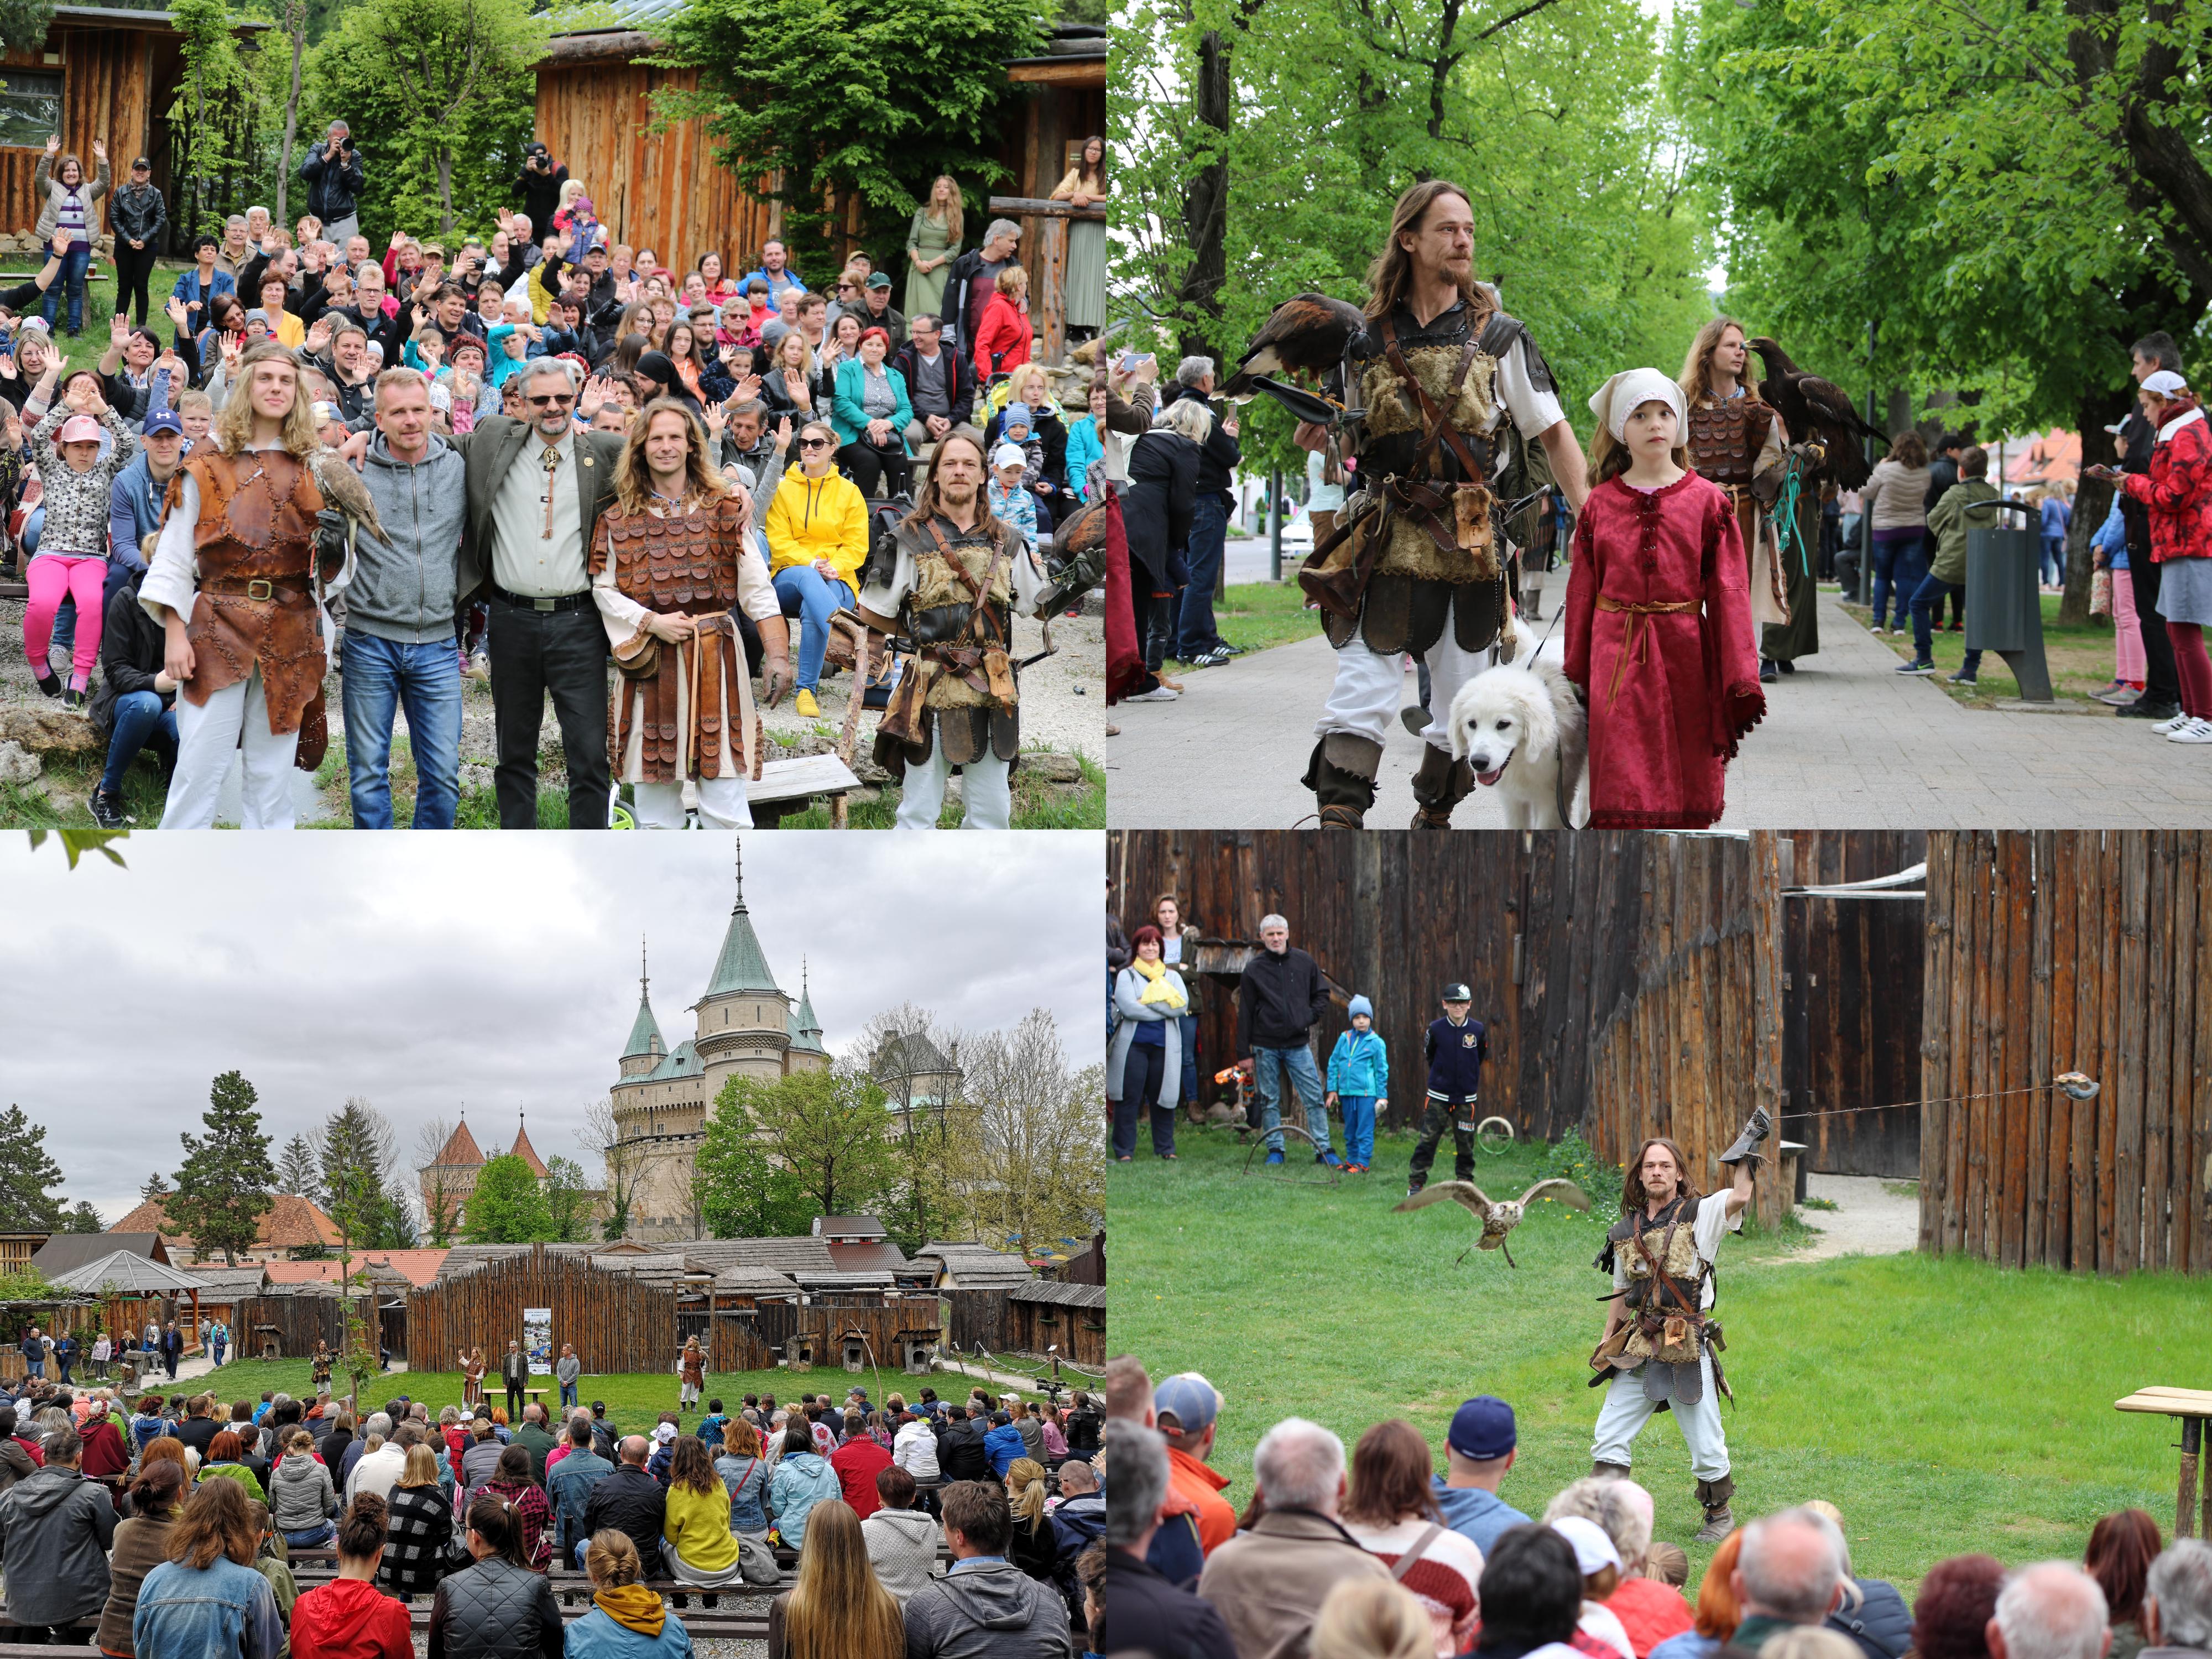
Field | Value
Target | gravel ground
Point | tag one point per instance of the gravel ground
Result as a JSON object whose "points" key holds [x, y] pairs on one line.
{"points": [[1869, 1220]]}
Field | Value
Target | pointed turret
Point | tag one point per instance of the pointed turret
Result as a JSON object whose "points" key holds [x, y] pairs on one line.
{"points": [[645, 1040], [460, 1148], [741, 967], [805, 1029], [523, 1149]]}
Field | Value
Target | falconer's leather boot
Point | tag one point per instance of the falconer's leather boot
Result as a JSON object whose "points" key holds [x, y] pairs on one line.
{"points": [[1609, 1471], [1441, 784], [1715, 1495], [1342, 777]]}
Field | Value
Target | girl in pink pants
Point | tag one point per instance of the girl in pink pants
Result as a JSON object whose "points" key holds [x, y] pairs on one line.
{"points": [[72, 555]]}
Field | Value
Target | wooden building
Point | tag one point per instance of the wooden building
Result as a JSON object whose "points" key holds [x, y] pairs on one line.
{"points": [[663, 190], [104, 72]]}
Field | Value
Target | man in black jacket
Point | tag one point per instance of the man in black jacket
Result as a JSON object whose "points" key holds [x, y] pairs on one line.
{"points": [[1148, 1613], [973, 275], [960, 1454], [629, 1500], [1280, 999], [515, 1371], [1197, 641], [538, 187], [335, 184], [135, 707]]}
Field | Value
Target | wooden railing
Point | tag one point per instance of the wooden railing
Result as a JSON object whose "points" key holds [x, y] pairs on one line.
{"points": [[1049, 270]]}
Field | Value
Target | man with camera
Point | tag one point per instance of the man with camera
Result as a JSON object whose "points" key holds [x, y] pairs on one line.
{"points": [[335, 184], [538, 186]]}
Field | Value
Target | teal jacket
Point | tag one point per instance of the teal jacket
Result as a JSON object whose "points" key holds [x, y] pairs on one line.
{"points": [[1359, 1065], [846, 413]]}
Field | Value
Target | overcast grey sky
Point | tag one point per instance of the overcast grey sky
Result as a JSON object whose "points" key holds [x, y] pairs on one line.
{"points": [[425, 972]]}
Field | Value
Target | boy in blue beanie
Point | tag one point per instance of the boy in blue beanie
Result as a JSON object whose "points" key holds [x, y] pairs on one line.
{"points": [[1358, 1077]]}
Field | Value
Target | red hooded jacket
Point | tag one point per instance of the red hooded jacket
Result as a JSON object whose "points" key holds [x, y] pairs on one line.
{"points": [[2177, 488]]}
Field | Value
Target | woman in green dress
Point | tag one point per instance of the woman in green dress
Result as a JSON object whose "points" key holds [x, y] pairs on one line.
{"points": [[931, 244], [1085, 186]]}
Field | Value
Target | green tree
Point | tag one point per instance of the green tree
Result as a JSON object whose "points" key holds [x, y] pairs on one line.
{"points": [[568, 1200], [360, 1158], [24, 23], [28, 1178], [446, 88], [834, 105], [1037, 1167], [299, 1170], [155, 1187], [216, 106], [224, 1185], [507, 1206], [740, 1190], [81, 1218], [2011, 193], [827, 1129]]}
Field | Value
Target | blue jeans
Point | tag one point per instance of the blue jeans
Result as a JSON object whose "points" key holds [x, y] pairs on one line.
{"points": [[217, 1346], [1358, 1127], [569, 1393], [806, 593], [2054, 558], [1927, 599], [140, 722], [380, 675], [71, 275], [35, 1367], [1897, 566], [313, 1538], [1195, 633], [1269, 1065]]}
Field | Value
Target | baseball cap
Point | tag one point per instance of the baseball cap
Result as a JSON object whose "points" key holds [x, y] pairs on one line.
{"points": [[1482, 1429], [1009, 455], [1594, 1550], [138, 161], [664, 1433], [1456, 991], [79, 429], [163, 420], [1191, 1400], [879, 280], [2166, 383]]}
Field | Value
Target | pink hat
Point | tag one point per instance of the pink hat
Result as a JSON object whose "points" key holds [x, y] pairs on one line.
{"points": [[80, 429]]}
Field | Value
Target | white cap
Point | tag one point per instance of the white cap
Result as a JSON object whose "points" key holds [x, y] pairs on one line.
{"points": [[2166, 383], [664, 1433], [1628, 390], [1594, 1550], [1009, 455]]}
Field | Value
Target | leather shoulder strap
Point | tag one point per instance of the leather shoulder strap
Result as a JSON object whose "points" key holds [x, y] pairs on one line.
{"points": [[1439, 425]]}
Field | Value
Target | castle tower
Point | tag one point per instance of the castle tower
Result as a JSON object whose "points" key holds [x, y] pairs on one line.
{"points": [[447, 1182], [745, 1020], [645, 1049], [807, 1052]]}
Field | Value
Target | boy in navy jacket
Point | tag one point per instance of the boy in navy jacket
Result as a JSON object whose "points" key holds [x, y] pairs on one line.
{"points": [[1456, 1047]]}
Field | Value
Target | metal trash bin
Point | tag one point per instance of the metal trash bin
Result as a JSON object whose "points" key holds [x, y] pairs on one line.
{"points": [[2004, 605]]}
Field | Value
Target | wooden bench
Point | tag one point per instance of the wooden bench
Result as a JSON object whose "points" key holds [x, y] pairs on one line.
{"points": [[2190, 1407]]}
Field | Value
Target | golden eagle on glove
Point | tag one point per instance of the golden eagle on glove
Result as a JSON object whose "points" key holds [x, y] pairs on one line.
{"points": [[1817, 411], [1307, 334]]}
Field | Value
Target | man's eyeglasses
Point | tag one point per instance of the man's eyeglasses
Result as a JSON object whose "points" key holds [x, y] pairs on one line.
{"points": [[558, 400]]}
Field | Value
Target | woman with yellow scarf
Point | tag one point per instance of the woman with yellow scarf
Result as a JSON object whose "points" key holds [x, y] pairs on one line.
{"points": [[1145, 1067], [627, 1620]]}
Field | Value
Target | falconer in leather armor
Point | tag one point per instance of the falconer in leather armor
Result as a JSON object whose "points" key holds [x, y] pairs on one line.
{"points": [[960, 689], [1423, 538], [683, 704], [1665, 1327], [255, 542], [1726, 440]]}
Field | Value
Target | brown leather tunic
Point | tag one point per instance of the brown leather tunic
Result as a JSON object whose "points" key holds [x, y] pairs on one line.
{"points": [[1725, 439], [685, 567], [256, 544]]}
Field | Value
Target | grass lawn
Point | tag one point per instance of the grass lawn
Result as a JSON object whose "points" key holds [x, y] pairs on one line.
{"points": [[632, 1400], [1256, 615], [2080, 659], [1944, 1406]]}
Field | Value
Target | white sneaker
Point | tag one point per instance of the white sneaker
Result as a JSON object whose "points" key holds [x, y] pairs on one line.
{"points": [[2166, 728], [1157, 694], [2197, 731]]}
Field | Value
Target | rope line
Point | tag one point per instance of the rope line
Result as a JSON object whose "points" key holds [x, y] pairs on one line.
{"points": [[1939, 1100]]}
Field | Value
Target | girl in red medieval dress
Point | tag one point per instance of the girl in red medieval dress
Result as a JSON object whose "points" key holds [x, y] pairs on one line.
{"points": [[1659, 636]]}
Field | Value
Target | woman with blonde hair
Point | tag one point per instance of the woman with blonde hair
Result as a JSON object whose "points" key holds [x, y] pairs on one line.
{"points": [[419, 1528], [235, 586], [837, 1609], [1036, 1547], [1003, 338], [627, 1620], [669, 562], [787, 388], [1371, 1618], [932, 242]]}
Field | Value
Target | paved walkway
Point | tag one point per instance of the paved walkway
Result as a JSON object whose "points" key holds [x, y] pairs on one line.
{"points": [[1848, 743]]}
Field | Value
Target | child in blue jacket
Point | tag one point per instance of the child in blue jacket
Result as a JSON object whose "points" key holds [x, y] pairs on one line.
{"points": [[1358, 1077]]}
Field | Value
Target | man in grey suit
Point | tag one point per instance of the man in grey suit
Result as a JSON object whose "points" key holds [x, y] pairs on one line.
{"points": [[535, 488]]}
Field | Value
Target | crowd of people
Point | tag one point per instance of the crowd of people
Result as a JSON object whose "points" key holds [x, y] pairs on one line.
{"points": [[1377, 1556], [184, 1527], [61, 1353], [807, 406]]}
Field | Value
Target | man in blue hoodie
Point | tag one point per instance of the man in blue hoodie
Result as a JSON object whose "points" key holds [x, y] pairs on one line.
{"points": [[1480, 1447]]}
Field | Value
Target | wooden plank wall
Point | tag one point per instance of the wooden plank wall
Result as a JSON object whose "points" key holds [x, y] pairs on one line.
{"points": [[1079, 1333], [107, 94], [616, 1323], [757, 1343], [1396, 915], [2058, 950], [299, 1319], [1852, 1006]]}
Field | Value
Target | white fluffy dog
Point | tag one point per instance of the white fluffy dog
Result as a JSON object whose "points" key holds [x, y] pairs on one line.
{"points": [[1522, 730]]}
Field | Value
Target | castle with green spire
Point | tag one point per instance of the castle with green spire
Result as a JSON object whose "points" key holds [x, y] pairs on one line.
{"points": [[745, 1025]]}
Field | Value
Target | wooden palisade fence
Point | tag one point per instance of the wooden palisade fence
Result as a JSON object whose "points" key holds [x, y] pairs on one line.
{"points": [[617, 1322], [2060, 951]]}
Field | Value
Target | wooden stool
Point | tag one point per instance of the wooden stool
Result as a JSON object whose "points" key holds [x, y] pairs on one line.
{"points": [[2191, 1407]]}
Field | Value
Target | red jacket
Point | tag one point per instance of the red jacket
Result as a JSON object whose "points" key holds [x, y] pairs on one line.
{"points": [[349, 1618], [2177, 488], [105, 1454], [1004, 334], [858, 1462]]}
